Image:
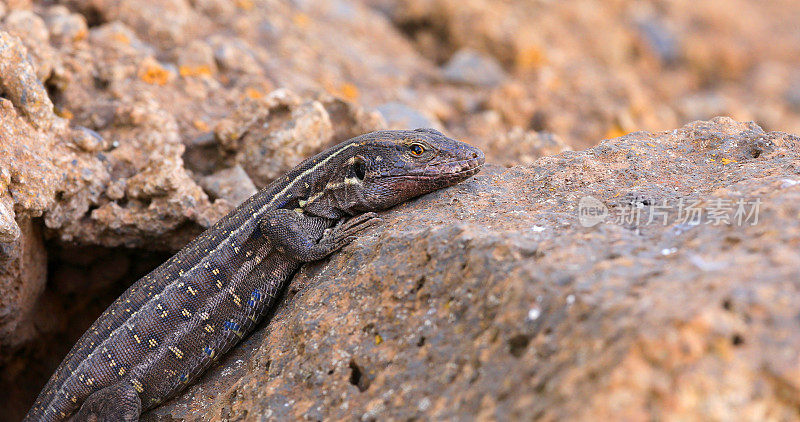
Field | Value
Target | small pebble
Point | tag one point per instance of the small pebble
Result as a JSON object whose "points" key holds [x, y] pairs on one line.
{"points": [[401, 116], [474, 68], [232, 184], [88, 140]]}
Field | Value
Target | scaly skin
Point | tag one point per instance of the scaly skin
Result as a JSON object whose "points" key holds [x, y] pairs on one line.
{"points": [[168, 327]]}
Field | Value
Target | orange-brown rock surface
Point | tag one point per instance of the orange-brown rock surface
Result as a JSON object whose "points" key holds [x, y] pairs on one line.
{"points": [[126, 127]]}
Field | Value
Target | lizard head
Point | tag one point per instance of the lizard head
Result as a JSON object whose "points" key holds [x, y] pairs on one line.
{"points": [[390, 167]]}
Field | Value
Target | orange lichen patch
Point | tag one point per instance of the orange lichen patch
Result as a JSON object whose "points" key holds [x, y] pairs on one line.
{"points": [[200, 125], [530, 58], [245, 4], [81, 35], [727, 161], [301, 19], [614, 132], [120, 38], [253, 93], [189, 71], [349, 91], [63, 112], [153, 73], [378, 339]]}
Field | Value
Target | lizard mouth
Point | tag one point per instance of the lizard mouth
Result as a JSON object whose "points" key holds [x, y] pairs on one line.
{"points": [[454, 170]]}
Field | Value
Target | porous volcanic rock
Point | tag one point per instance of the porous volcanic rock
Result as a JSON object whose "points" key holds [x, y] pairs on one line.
{"points": [[496, 298]]}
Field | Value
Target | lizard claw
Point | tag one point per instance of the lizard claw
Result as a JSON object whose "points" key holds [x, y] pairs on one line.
{"points": [[359, 223], [346, 232]]}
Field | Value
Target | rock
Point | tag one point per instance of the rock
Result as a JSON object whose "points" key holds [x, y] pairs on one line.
{"points": [[493, 299], [269, 136], [349, 119], [661, 40], [197, 59], [167, 22], [401, 116], [282, 139], [9, 229], [524, 147], [474, 68], [27, 171], [19, 83], [65, 27], [792, 95], [231, 184], [88, 140], [234, 55], [23, 270], [31, 29]]}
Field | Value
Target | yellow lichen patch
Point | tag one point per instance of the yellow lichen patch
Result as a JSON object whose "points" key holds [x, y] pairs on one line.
{"points": [[378, 339], [727, 161], [189, 71], [153, 73]]}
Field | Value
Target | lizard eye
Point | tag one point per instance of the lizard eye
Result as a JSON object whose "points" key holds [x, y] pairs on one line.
{"points": [[416, 149], [360, 169]]}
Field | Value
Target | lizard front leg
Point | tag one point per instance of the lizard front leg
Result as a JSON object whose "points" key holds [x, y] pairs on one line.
{"points": [[308, 238]]}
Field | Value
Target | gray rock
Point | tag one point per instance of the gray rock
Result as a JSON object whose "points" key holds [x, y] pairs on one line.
{"points": [[65, 27], [231, 184], [401, 116], [792, 95], [474, 68], [661, 40]]}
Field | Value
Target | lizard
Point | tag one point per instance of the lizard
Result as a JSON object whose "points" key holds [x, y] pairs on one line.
{"points": [[168, 327]]}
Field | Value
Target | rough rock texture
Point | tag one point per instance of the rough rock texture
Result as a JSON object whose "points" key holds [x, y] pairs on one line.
{"points": [[491, 298], [23, 264]]}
